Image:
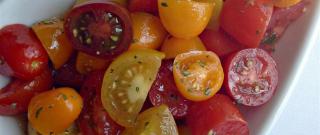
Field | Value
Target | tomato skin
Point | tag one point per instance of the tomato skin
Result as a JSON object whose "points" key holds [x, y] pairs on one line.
{"points": [[86, 63], [246, 21], [251, 77], [218, 116], [93, 112], [21, 53], [150, 6], [15, 97], [164, 91]]}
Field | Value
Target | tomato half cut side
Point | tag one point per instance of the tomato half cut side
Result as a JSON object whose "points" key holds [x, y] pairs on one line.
{"points": [[165, 91], [127, 82], [99, 28], [251, 77]]}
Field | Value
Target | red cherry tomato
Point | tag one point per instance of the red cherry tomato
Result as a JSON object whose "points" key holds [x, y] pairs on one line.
{"points": [[150, 6], [21, 53], [15, 97], [251, 77], [94, 120], [99, 28], [219, 42], [246, 20], [216, 116], [164, 91]]}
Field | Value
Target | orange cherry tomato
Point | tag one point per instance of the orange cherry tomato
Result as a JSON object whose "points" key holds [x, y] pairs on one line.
{"points": [[86, 63], [185, 18], [51, 34], [198, 74], [285, 3], [148, 31], [52, 112], [173, 46]]}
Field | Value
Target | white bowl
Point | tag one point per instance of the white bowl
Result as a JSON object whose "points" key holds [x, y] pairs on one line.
{"points": [[291, 54]]}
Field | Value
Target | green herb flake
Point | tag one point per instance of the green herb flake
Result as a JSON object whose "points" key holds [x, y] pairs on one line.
{"points": [[38, 112], [202, 64], [185, 73], [35, 64], [137, 89], [270, 39], [65, 97], [164, 4], [146, 124], [207, 91]]}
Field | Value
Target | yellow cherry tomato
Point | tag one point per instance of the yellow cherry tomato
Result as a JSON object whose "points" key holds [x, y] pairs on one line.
{"points": [[173, 46], [214, 21], [52, 112], [285, 3], [198, 74], [50, 33], [86, 63], [185, 18], [148, 31]]}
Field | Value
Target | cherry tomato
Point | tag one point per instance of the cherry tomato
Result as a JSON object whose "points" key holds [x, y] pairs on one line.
{"points": [[15, 97], [216, 116], [173, 46], [72, 130], [94, 120], [154, 121], [99, 28], [51, 34], [127, 82], [246, 20], [219, 43], [185, 18], [251, 77], [285, 3], [21, 53], [214, 21], [86, 63], [198, 74], [164, 91], [148, 31], [53, 111], [149, 6]]}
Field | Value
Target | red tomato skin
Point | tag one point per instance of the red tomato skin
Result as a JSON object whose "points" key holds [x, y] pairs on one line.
{"points": [[218, 114], [15, 97], [219, 42], [94, 120], [246, 21], [150, 6], [22, 52], [164, 91]]}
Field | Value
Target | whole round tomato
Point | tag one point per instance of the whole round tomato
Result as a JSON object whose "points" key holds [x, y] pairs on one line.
{"points": [[21, 53], [15, 97], [53, 111], [185, 18], [99, 28]]}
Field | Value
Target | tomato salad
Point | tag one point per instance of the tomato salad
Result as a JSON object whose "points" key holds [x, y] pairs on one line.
{"points": [[136, 67]]}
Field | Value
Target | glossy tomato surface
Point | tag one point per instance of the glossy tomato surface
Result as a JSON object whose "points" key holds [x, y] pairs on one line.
{"points": [[251, 77], [165, 91], [21, 53], [99, 28]]}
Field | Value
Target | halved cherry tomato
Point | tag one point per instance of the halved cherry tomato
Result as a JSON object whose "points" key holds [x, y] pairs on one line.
{"points": [[246, 20], [53, 111], [285, 3], [86, 63], [15, 97], [149, 6], [173, 46], [154, 121], [94, 120], [218, 42], [148, 31], [251, 77], [164, 91], [214, 21], [51, 34], [21, 53], [127, 82], [198, 74], [216, 116], [185, 18], [99, 28]]}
